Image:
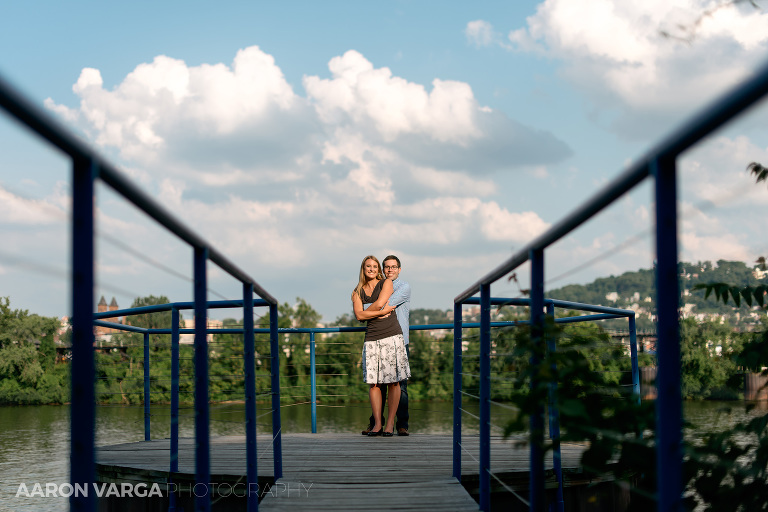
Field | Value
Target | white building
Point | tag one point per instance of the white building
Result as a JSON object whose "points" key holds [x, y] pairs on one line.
{"points": [[189, 323]]}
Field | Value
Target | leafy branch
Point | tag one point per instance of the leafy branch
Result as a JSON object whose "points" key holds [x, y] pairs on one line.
{"points": [[723, 291]]}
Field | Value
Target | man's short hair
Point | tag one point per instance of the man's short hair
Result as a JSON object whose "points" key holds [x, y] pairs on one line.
{"points": [[391, 257]]}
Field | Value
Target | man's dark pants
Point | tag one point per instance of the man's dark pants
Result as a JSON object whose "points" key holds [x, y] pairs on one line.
{"points": [[402, 407]]}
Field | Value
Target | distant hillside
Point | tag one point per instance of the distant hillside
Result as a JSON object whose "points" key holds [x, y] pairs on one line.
{"points": [[636, 290], [421, 316]]}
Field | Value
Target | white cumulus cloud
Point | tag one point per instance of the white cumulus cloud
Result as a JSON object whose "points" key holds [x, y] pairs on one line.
{"points": [[360, 161], [166, 112], [391, 104], [650, 61], [16, 210]]}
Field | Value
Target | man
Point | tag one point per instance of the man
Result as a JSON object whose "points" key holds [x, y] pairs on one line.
{"points": [[401, 299]]}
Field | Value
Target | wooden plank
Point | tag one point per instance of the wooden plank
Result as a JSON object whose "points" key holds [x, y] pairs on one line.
{"points": [[440, 494], [331, 453], [342, 471]]}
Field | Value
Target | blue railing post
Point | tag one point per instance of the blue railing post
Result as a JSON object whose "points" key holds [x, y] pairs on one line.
{"points": [[202, 434], [82, 468], [633, 357], [146, 387], [536, 483], [457, 371], [669, 416], [249, 361], [485, 397], [174, 404], [554, 423], [313, 378], [274, 341]]}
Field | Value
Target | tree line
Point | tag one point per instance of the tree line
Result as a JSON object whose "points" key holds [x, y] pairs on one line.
{"points": [[714, 357]]}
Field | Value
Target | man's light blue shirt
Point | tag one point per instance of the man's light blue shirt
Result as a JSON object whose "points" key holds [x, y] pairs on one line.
{"points": [[401, 299]]}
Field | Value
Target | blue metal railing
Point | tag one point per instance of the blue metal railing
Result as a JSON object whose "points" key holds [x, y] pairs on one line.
{"points": [[247, 304], [536, 302], [88, 167], [659, 163], [600, 313], [175, 331]]}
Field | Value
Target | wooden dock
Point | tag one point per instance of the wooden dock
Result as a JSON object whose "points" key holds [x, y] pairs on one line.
{"points": [[338, 471]]}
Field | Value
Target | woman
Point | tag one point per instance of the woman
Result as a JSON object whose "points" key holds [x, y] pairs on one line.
{"points": [[384, 357]]}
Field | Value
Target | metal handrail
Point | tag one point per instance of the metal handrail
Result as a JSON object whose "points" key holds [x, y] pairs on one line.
{"points": [[486, 301], [659, 162]]}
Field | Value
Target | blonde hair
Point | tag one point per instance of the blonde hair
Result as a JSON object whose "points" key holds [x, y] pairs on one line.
{"points": [[361, 280]]}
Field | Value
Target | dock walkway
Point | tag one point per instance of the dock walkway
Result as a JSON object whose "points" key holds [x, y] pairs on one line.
{"points": [[336, 471]]}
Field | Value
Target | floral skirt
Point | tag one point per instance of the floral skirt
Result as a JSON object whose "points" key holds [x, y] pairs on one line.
{"points": [[385, 361]]}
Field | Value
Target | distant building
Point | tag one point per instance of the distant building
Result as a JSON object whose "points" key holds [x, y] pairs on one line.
{"points": [[105, 333], [470, 313], [189, 323], [687, 311], [63, 328]]}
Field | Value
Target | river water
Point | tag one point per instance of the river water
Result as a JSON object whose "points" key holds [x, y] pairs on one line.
{"points": [[34, 440]]}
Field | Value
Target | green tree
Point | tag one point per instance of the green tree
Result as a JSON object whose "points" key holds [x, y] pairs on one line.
{"points": [[295, 372], [18, 326], [431, 362], [704, 370], [29, 375], [120, 375], [21, 364], [23, 380], [7, 321], [754, 353], [47, 352], [592, 407]]}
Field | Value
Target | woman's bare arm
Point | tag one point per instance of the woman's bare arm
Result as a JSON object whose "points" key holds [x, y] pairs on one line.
{"points": [[367, 314], [386, 292]]}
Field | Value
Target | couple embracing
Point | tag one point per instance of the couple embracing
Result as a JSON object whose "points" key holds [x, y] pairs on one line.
{"points": [[384, 303]]}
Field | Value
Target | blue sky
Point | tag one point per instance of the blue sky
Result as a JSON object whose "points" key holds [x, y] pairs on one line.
{"points": [[299, 137]]}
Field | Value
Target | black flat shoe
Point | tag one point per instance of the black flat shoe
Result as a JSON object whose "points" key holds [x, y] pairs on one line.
{"points": [[377, 433], [387, 434]]}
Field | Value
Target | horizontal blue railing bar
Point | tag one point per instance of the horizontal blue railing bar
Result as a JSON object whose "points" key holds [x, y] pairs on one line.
{"points": [[296, 330], [565, 304], [607, 313], [722, 110], [127, 327], [157, 308], [587, 318], [222, 304], [500, 301], [49, 128], [309, 330], [589, 307]]}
